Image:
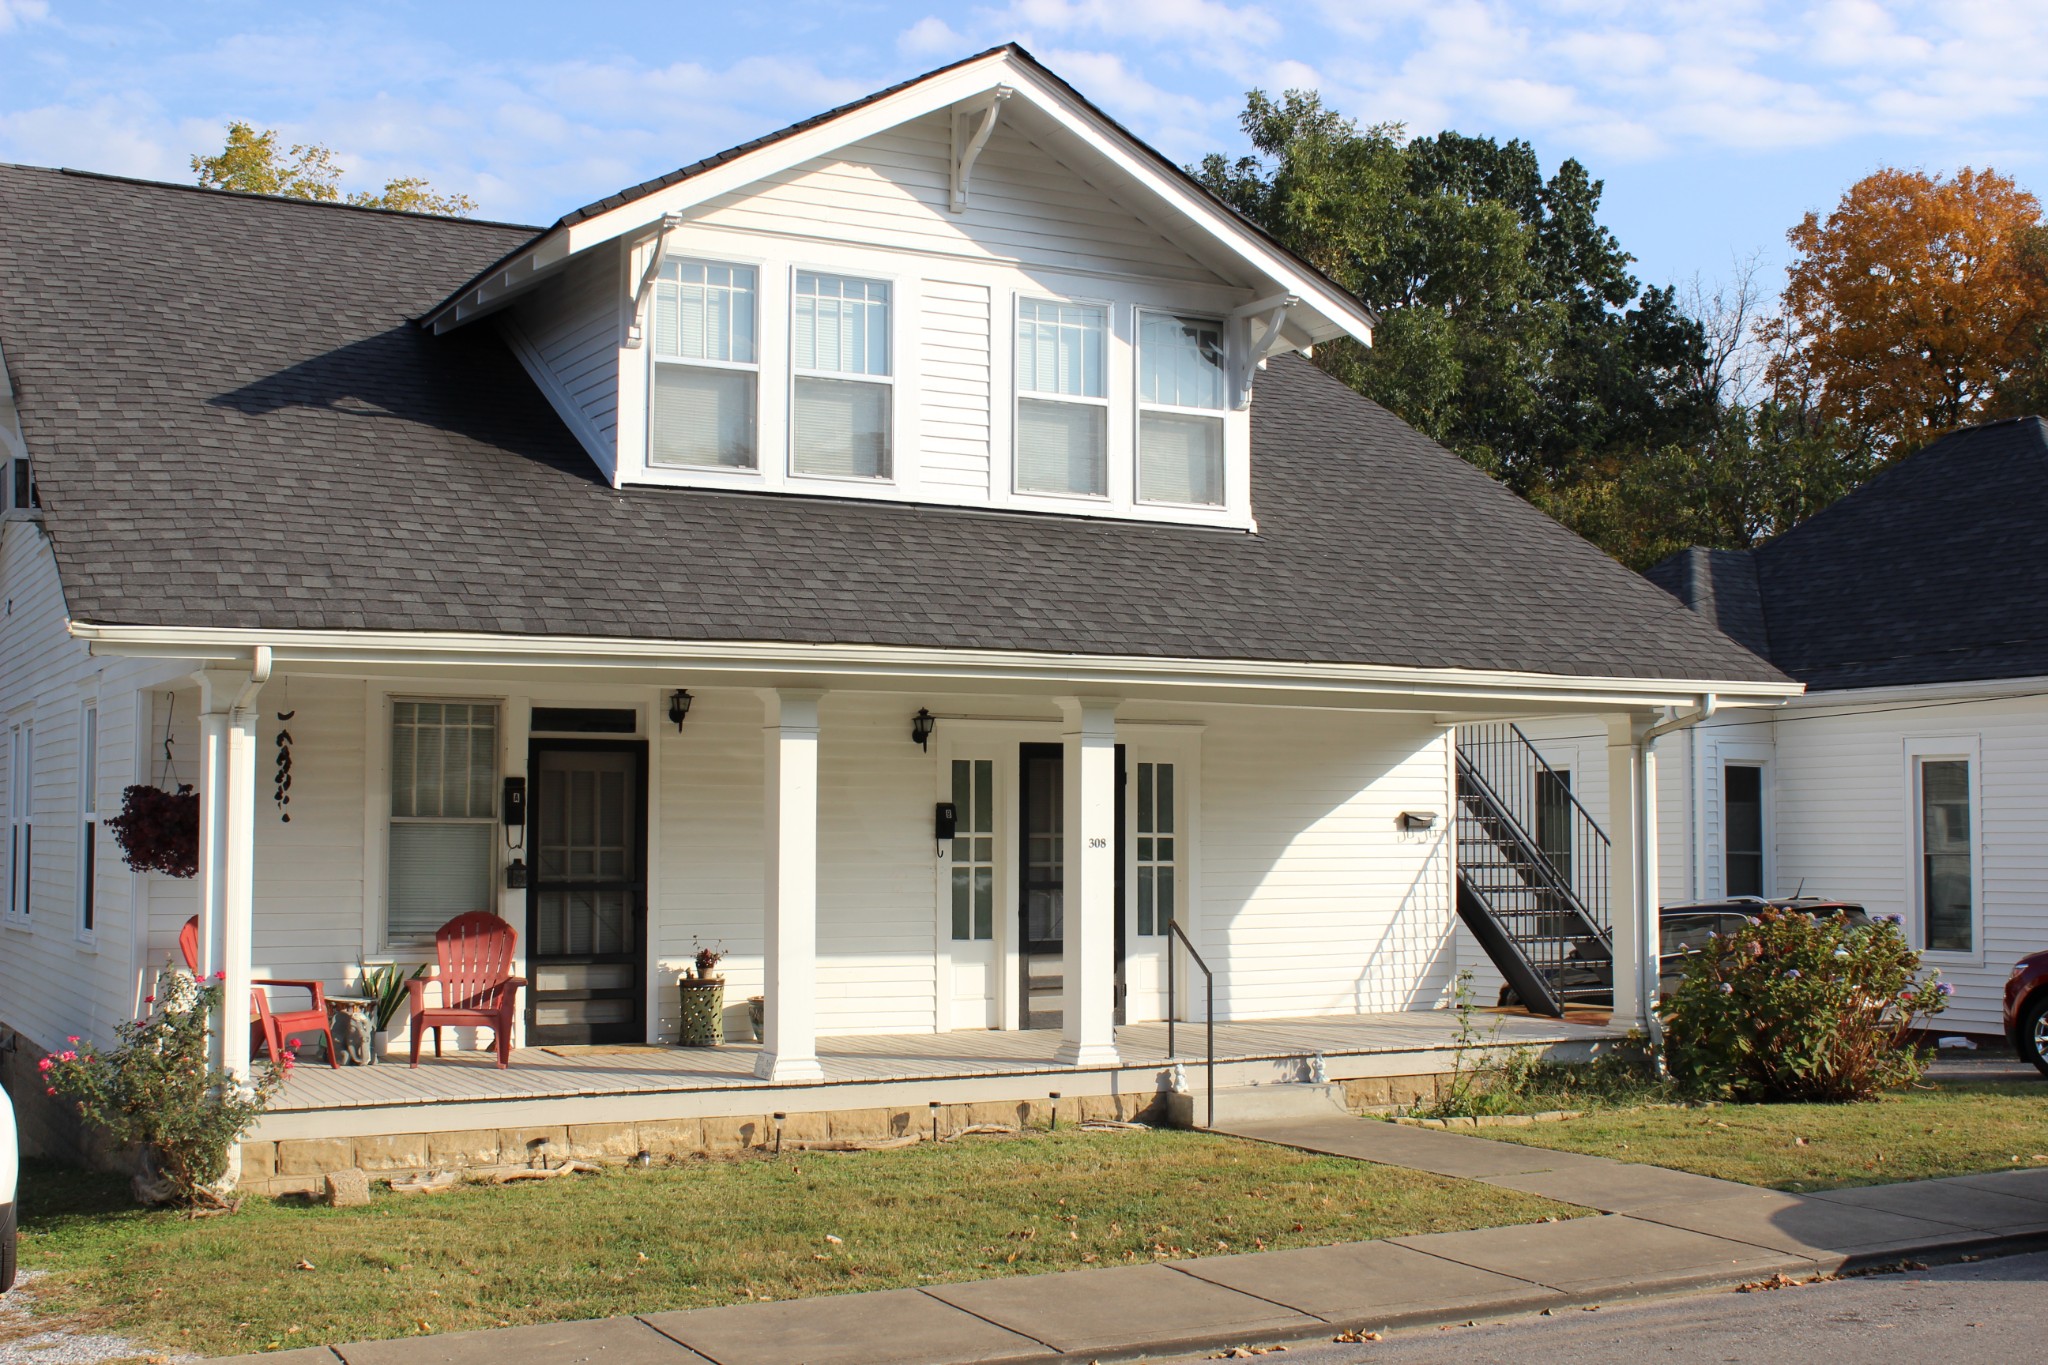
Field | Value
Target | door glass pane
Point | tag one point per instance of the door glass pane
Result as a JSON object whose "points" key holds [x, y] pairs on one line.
{"points": [[1044, 853], [1742, 787], [1554, 818], [1946, 890], [1154, 864], [973, 883]]}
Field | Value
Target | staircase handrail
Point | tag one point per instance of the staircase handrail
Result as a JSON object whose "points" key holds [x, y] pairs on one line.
{"points": [[1562, 785], [1208, 1010], [1558, 882]]}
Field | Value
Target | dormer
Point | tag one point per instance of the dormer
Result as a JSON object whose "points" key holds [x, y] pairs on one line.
{"points": [[973, 289]]}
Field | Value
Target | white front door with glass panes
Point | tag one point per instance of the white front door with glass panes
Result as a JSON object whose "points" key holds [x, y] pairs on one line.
{"points": [[972, 893], [1154, 827]]}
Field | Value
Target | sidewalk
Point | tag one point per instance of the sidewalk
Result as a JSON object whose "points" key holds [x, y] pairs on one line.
{"points": [[1661, 1232]]}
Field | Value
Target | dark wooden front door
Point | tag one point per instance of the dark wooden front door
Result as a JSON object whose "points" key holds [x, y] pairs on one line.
{"points": [[586, 902], [1041, 896]]}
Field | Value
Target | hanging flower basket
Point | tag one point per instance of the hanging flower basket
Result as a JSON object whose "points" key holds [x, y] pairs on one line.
{"points": [[159, 830]]}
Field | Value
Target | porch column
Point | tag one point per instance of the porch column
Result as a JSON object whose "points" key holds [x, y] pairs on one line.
{"points": [[227, 853], [1632, 874], [789, 1030], [1089, 907]]}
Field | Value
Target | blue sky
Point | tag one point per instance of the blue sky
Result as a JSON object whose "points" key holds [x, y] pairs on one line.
{"points": [[1714, 125]]}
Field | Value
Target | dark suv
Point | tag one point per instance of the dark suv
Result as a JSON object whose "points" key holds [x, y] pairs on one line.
{"points": [[1684, 928]]}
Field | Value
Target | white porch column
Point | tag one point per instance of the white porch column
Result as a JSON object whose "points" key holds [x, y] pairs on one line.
{"points": [[227, 852], [1632, 875], [789, 1032], [1089, 908]]}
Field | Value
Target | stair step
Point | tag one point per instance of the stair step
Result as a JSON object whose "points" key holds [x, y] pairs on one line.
{"points": [[1253, 1103]]}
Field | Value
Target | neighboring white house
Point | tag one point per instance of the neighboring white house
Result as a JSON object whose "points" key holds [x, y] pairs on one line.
{"points": [[676, 515], [1913, 775]]}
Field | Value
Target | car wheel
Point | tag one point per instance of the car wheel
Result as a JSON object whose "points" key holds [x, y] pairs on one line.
{"points": [[6, 1247], [2033, 1032]]}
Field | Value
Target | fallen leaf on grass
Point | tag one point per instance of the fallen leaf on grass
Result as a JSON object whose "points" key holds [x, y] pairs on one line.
{"points": [[304, 1265]]}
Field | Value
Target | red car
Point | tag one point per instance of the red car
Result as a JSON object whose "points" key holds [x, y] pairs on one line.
{"points": [[2026, 1009]]}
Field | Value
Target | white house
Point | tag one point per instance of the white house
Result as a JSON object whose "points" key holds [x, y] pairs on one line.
{"points": [[958, 403], [1912, 776]]}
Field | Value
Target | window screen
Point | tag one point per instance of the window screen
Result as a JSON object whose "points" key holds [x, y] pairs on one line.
{"points": [[1946, 891], [444, 778]]}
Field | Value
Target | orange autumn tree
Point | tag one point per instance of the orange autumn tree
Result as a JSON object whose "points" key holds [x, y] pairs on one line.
{"points": [[1919, 305]]}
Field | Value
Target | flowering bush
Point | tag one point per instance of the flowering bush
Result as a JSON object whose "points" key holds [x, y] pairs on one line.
{"points": [[158, 830], [1801, 1007], [157, 1089]]}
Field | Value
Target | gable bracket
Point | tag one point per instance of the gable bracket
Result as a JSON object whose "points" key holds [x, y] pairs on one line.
{"points": [[655, 256], [967, 150], [1269, 342]]}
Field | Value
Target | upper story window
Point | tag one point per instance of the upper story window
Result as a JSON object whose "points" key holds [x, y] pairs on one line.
{"points": [[1180, 409], [1062, 402], [705, 366], [843, 390]]}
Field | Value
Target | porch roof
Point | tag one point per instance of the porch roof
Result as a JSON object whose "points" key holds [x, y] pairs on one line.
{"points": [[239, 427]]}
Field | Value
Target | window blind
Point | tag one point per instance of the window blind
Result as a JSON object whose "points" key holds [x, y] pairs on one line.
{"points": [[703, 417], [1180, 361], [438, 870], [840, 324], [1180, 458], [842, 428], [444, 776], [1062, 447]]}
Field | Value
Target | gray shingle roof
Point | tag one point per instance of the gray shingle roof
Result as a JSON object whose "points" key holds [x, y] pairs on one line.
{"points": [[1934, 571], [240, 427]]}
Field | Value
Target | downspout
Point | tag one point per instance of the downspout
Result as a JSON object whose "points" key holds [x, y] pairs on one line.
{"points": [[1649, 930]]}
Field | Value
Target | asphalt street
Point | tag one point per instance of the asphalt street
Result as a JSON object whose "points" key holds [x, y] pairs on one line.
{"points": [[1989, 1310]]}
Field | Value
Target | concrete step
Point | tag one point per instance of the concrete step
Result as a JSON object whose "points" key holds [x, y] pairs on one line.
{"points": [[1257, 1103]]}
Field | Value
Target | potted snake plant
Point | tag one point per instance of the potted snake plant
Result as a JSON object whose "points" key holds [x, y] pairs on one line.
{"points": [[385, 987]]}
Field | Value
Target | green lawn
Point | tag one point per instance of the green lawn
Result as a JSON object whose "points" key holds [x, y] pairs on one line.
{"points": [[1937, 1129], [707, 1232]]}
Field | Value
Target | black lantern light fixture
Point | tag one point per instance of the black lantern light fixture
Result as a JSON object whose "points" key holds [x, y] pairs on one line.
{"points": [[679, 706], [921, 726]]}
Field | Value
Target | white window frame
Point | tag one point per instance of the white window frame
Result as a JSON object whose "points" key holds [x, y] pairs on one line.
{"points": [[754, 367], [894, 350], [1920, 749], [87, 923], [1109, 417], [21, 804], [1140, 406], [388, 942]]}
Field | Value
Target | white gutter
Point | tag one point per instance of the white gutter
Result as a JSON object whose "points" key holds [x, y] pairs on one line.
{"points": [[429, 649]]}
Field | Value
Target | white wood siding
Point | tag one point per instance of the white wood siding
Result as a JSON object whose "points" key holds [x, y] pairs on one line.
{"points": [[956, 383], [891, 191], [568, 335]]}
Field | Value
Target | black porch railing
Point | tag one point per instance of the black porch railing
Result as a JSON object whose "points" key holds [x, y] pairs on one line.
{"points": [[1208, 1008]]}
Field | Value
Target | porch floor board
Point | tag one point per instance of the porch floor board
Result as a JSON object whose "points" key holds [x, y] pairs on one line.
{"points": [[869, 1058]]}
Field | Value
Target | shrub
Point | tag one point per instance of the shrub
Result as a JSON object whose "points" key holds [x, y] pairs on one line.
{"points": [[157, 1090], [1798, 1007]]}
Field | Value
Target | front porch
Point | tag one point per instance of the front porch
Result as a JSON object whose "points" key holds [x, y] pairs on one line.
{"points": [[616, 1102]]}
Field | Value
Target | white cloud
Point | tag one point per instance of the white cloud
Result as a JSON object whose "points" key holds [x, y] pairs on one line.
{"points": [[14, 13], [1151, 22], [931, 37]]}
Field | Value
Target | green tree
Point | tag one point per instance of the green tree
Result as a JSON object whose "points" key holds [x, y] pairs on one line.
{"points": [[1512, 329], [254, 163]]}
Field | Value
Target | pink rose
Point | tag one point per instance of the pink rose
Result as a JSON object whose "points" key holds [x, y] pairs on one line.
{"points": [[221, 975], [67, 1056], [73, 1040], [51, 1091], [149, 1000], [292, 1043], [45, 1064]]}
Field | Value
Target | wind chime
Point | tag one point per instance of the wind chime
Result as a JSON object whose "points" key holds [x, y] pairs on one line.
{"points": [[283, 793]]}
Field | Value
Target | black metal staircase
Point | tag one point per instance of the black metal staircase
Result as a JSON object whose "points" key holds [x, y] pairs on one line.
{"points": [[1532, 869]]}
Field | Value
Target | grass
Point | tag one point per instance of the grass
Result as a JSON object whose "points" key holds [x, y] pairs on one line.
{"points": [[1938, 1128], [707, 1232]]}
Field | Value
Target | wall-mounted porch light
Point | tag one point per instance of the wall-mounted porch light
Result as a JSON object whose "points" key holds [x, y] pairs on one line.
{"points": [[679, 706], [921, 726], [1418, 819]]}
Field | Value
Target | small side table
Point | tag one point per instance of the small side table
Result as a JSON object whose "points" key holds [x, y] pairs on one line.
{"points": [[348, 1018]]}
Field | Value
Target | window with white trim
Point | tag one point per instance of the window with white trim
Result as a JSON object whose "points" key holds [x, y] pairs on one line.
{"points": [[703, 393], [1946, 824], [88, 815], [1180, 409], [1062, 398], [1742, 820], [21, 830], [1156, 862], [444, 806], [843, 388], [974, 849]]}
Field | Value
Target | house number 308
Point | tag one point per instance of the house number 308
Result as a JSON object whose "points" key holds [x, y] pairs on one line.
{"points": [[1098, 843]]}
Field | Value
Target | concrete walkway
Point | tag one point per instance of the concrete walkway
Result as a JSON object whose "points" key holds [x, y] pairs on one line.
{"points": [[1661, 1232]]}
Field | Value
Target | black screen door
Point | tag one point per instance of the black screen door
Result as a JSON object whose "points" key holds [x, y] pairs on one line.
{"points": [[1041, 895], [586, 902]]}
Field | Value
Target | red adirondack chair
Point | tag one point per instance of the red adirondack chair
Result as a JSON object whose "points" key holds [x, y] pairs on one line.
{"points": [[478, 989], [272, 1026]]}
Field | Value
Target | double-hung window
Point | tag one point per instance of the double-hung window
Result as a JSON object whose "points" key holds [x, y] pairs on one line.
{"points": [[21, 829], [88, 814], [843, 391], [1180, 409], [705, 366], [1062, 403], [1947, 853], [444, 803]]}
